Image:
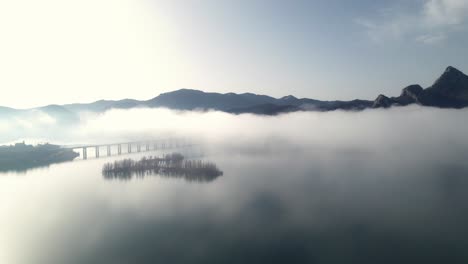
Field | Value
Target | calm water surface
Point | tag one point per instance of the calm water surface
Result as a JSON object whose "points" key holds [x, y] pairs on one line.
{"points": [[284, 206]]}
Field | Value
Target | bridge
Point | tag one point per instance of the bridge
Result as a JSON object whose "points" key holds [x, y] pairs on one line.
{"points": [[129, 147]]}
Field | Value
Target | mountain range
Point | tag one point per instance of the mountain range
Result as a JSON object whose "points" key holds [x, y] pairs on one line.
{"points": [[450, 90]]}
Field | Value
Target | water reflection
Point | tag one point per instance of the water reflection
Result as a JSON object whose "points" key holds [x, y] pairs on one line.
{"points": [[23, 168], [320, 207], [125, 176]]}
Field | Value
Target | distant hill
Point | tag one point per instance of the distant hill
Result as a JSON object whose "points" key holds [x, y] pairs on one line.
{"points": [[60, 114], [103, 105], [6, 111], [187, 99], [450, 90]]}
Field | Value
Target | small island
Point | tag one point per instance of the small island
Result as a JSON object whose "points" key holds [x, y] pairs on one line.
{"points": [[21, 157], [171, 165]]}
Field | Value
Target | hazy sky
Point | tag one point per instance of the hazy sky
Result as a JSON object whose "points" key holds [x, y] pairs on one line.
{"points": [[56, 51]]}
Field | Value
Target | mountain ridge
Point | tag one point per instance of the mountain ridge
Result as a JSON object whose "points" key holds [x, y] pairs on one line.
{"points": [[450, 90]]}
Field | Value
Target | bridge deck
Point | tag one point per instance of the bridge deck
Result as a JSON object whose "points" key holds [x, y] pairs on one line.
{"points": [[141, 146], [143, 142]]}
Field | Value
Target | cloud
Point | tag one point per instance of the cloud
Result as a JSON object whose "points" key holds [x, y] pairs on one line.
{"points": [[430, 22], [255, 133], [36, 124], [445, 12], [371, 129], [431, 39]]}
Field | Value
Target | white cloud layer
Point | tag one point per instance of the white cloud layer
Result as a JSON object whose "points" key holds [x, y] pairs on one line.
{"points": [[413, 126]]}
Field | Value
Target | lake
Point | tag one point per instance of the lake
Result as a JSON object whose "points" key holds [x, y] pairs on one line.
{"points": [[285, 204]]}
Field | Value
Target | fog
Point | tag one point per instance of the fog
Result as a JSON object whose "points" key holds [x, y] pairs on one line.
{"points": [[375, 186], [412, 127]]}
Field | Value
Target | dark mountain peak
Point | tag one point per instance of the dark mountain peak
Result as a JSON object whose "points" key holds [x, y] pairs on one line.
{"points": [[291, 100], [184, 91], [289, 97], [450, 76], [452, 85], [452, 70], [413, 90], [382, 101], [381, 97], [409, 95]]}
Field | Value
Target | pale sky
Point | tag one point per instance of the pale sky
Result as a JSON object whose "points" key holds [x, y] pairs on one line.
{"points": [[56, 51]]}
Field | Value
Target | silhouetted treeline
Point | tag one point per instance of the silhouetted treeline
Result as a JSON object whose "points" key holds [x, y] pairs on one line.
{"points": [[21, 157], [171, 165]]}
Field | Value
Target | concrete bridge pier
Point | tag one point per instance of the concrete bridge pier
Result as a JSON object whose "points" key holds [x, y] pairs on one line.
{"points": [[85, 154], [147, 146], [97, 152], [138, 147], [119, 149], [108, 150], [129, 145]]}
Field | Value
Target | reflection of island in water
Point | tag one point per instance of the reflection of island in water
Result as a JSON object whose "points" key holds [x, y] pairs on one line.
{"points": [[21, 157], [171, 165]]}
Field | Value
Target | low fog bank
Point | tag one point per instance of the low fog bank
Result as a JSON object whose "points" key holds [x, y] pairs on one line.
{"points": [[311, 185], [430, 130]]}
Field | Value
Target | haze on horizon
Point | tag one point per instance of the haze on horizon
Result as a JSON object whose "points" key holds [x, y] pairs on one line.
{"points": [[56, 52]]}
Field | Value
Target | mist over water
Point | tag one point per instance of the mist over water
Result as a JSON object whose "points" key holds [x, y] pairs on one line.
{"points": [[378, 186], [366, 129]]}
